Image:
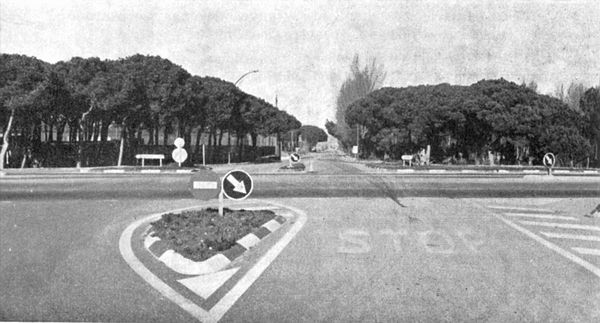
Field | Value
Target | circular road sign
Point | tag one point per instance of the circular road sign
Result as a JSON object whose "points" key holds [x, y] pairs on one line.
{"points": [[179, 142], [237, 185], [295, 157], [179, 155], [205, 185], [549, 160]]}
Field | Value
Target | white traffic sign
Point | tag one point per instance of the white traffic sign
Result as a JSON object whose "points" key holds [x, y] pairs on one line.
{"points": [[549, 160], [205, 185], [355, 149], [237, 185], [179, 155], [179, 142], [295, 157]]}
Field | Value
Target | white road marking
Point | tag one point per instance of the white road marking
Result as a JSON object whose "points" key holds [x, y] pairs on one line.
{"points": [[206, 285], [233, 295], [114, 171], [562, 225], [585, 264], [127, 253], [238, 290], [150, 171], [542, 216], [499, 207], [571, 236], [587, 251]]}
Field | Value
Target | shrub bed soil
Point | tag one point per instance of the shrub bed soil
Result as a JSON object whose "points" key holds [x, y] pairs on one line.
{"points": [[200, 234]]}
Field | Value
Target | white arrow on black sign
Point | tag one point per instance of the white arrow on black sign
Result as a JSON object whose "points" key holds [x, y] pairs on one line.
{"points": [[237, 185]]}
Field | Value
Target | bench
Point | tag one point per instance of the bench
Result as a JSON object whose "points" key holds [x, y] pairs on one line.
{"points": [[407, 158], [143, 157]]}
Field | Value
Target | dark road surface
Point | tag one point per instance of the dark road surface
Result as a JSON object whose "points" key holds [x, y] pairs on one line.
{"points": [[176, 186]]}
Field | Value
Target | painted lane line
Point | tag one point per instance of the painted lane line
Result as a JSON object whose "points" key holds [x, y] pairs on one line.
{"points": [[587, 251], [574, 258], [114, 171], [532, 171], [542, 216], [562, 225], [571, 236], [500, 207], [252, 275], [150, 171]]}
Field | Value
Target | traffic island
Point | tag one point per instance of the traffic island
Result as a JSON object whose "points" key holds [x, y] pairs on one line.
{"points": [[298, 167], [202, 242]]}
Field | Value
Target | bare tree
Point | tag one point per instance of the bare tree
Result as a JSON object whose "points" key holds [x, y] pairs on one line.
{"points": [[574, 95], [357, 85]]}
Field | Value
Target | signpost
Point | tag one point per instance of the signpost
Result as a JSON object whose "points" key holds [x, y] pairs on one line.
{"points": [[179, 154], [549, 160], [235, 185]]}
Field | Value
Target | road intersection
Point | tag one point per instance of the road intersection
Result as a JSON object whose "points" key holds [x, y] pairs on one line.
{"points": [[390, 256]]}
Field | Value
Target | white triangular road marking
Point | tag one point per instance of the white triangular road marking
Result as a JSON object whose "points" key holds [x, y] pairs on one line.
{"points": [[206, 285]]}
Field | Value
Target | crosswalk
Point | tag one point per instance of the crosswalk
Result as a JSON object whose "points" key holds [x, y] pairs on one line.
{"points": [[558, 230]]}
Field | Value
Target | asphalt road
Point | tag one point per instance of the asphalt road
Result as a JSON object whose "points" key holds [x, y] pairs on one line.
{"points": [[176, 186], [375, 248]]}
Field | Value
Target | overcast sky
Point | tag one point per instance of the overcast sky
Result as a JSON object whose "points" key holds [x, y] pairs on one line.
{"points": [[302, 49]]}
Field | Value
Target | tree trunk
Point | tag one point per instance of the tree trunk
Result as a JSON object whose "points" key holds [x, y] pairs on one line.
{"points": [[122, 145], [81, 138], [5, 139], [198, 137], [60, 129]]}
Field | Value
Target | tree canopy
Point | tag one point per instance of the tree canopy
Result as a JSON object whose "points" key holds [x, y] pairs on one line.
{"points": [[139, 93], [490, 115]]}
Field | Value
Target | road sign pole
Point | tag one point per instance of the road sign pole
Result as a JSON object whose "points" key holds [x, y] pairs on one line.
{"points": [[221, 203], [203, 156]]}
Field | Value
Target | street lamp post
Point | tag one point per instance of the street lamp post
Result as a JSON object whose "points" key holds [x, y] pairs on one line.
{"points": [[241, 77], [228, 134]]}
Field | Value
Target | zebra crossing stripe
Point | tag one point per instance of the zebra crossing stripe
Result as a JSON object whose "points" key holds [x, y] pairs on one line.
{"points": [[562, 225], [571, 236], [542, 216], [587, 251]]}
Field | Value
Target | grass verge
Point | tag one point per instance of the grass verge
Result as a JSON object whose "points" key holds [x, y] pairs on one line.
{"points": [[200, 234]]}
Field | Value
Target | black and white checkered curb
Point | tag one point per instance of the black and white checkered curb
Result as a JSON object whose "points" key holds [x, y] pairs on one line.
{"points": [[182, 265]]}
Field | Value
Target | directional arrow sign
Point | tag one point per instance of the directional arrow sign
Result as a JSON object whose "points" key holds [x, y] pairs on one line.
{"points": [[295, 157], [549, 160], [237, 185]]}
